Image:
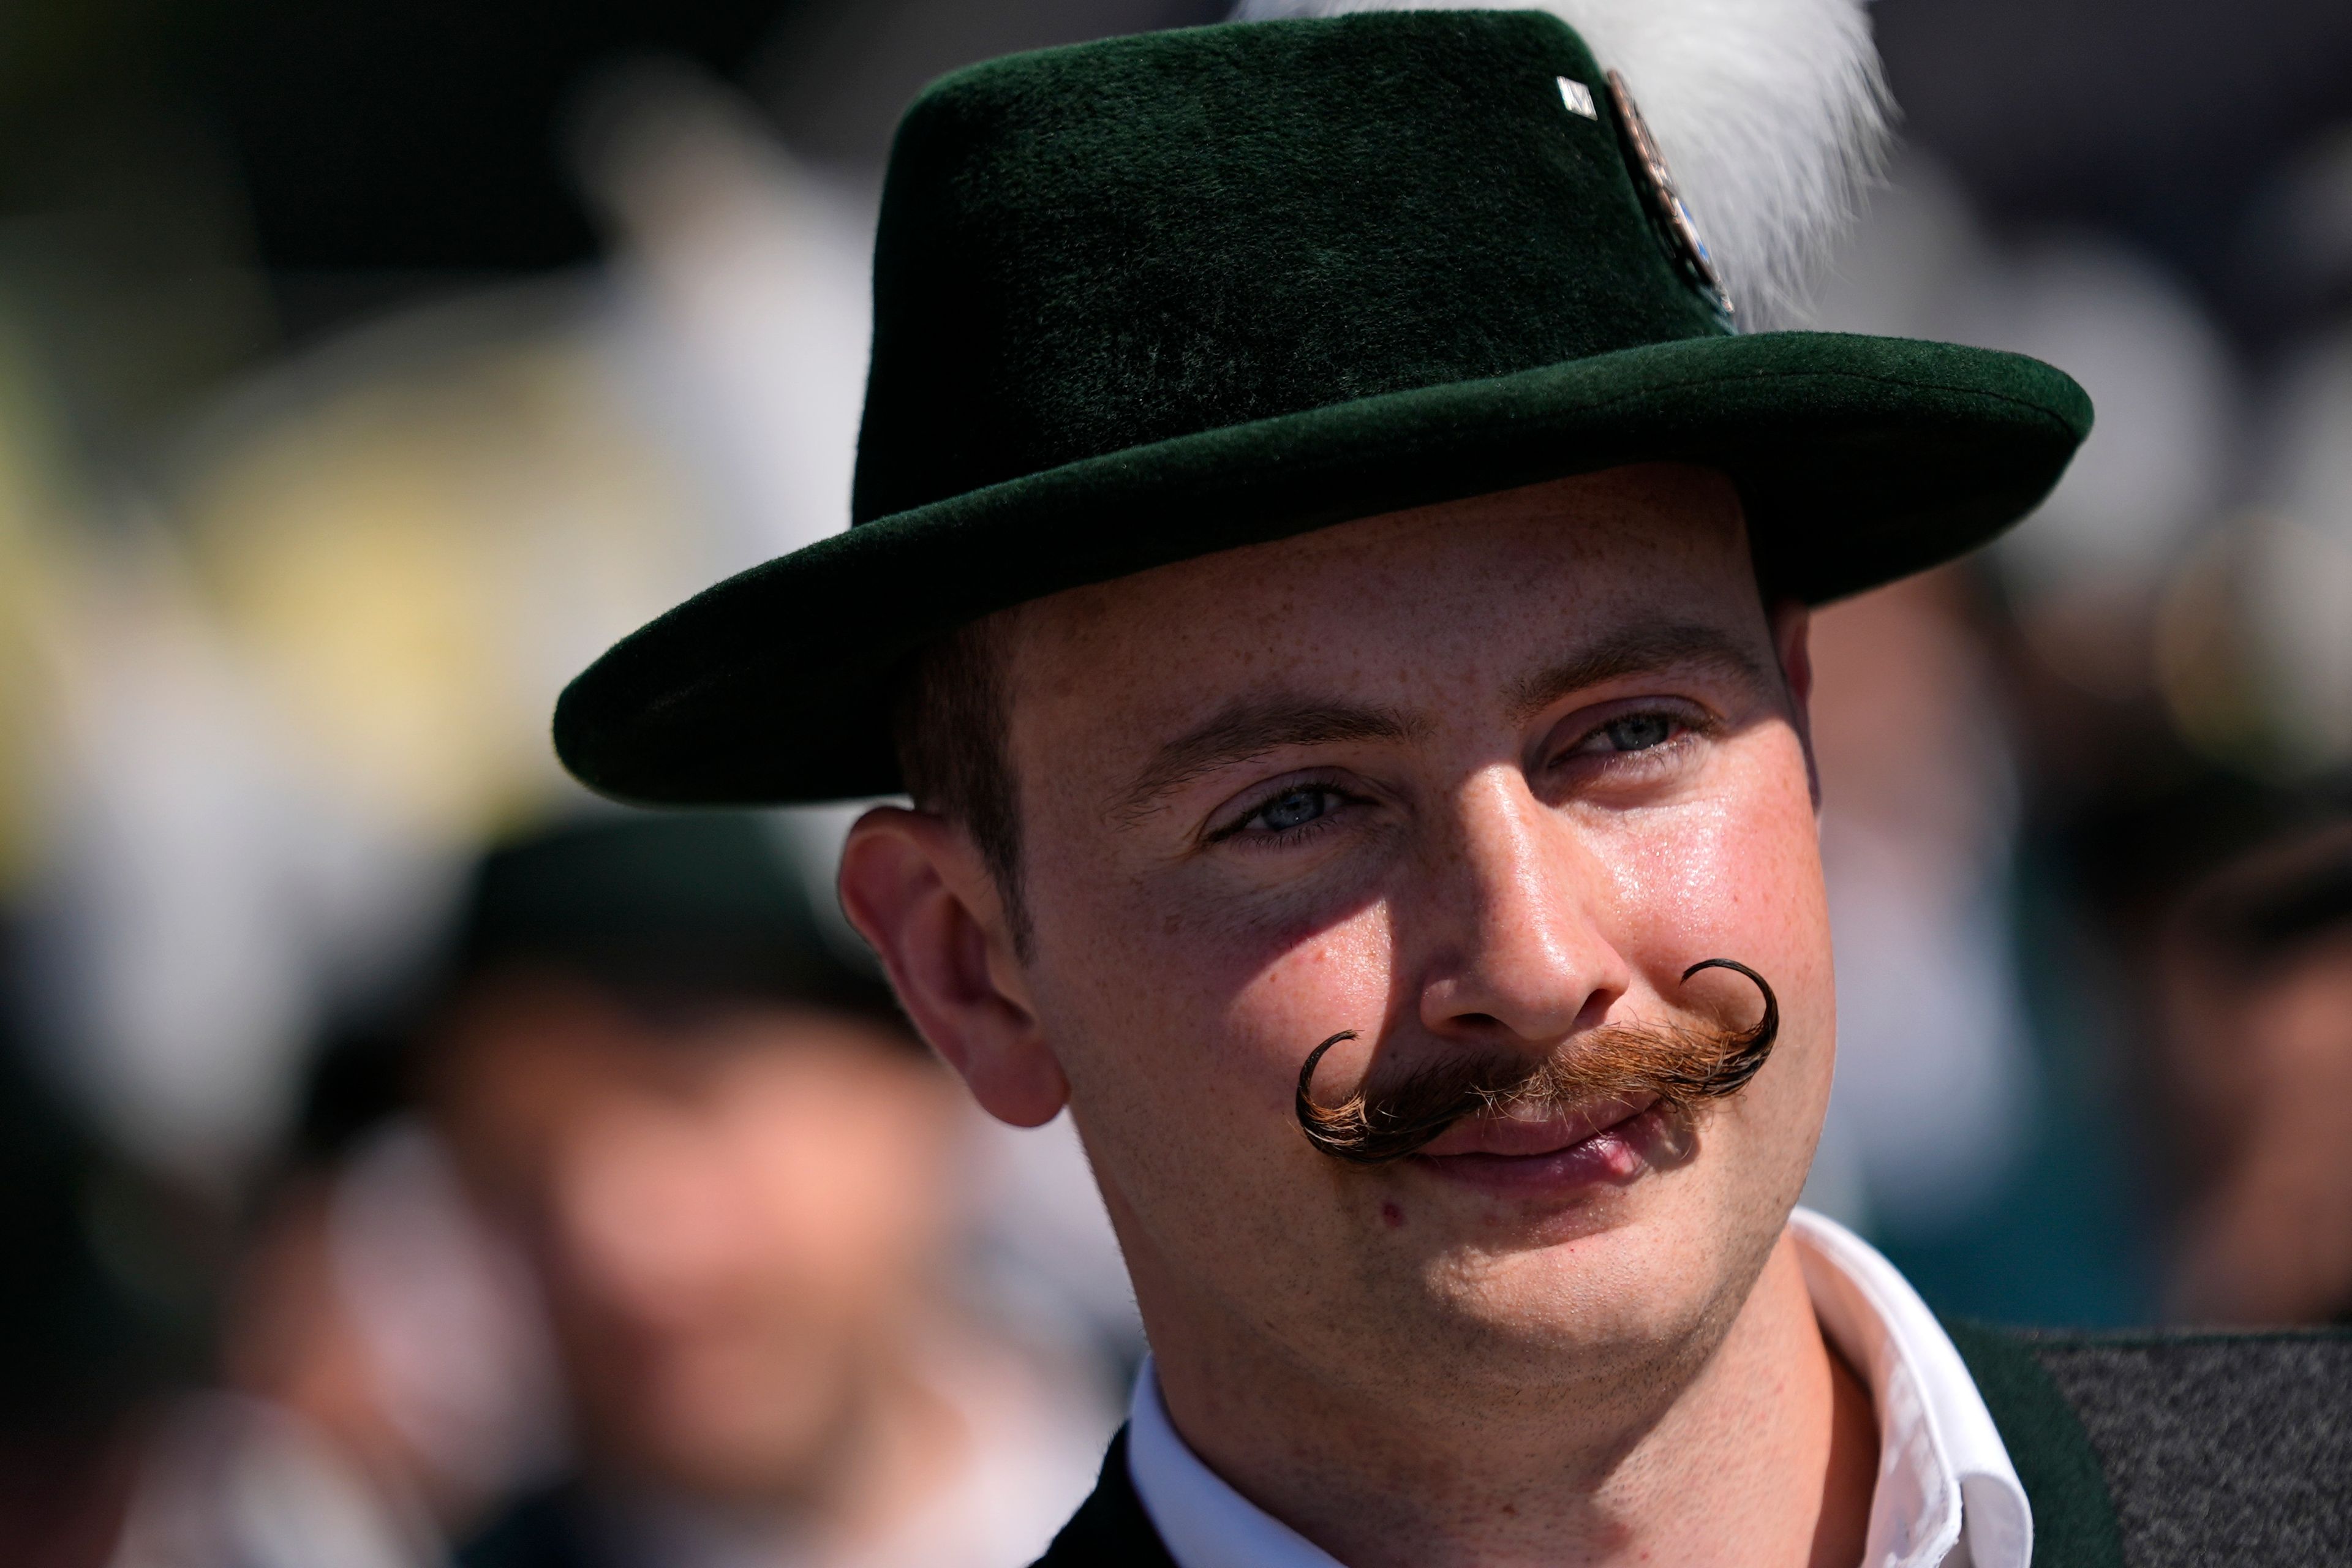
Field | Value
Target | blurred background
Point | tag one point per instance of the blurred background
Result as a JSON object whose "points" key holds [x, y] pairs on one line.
{"points": [[365, 370]]}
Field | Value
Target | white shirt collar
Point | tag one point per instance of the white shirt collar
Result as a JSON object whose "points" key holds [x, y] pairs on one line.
{"points": [[1948, 1495]]}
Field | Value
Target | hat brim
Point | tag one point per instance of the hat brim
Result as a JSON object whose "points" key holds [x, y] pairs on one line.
{"points": [[1858, 459]]}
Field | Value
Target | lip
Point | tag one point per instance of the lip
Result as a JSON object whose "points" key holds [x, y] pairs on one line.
{"points": [[1607, 1143]]}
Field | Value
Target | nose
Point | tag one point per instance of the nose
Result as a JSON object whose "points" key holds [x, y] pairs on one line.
{"points": [[645, 1215], [1514, 955]]}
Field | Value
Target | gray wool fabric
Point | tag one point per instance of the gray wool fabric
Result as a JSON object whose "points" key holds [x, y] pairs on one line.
{"points": [[2217, 1449]]}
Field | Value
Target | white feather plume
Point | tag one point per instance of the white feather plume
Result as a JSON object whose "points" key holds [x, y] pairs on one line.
{"points": [[1773, 114]]}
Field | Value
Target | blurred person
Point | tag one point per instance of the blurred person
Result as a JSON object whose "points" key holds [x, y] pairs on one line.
{"points": [[733, 1171], [374, 1310], [1327, 569], [2256, 989], [1975, 729], [1918, 801], [1985, 1146], [113, 1452]]}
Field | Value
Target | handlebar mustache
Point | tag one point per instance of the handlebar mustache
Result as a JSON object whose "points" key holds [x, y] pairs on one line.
{"points": [[1679, 1065]]}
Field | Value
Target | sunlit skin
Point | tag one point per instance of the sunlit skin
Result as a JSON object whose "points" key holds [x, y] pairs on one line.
{"points": [[1476, 778], [733, 1213]]}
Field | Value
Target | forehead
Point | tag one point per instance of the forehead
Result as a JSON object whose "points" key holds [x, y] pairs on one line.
{"points": [[1424, 605]]}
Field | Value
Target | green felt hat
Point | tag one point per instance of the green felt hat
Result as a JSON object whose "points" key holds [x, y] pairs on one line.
{"points": [[1139, 301]]}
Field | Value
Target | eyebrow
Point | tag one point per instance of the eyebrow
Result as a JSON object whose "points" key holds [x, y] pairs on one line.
{"points": [[1251, 727], [1637, 651]]}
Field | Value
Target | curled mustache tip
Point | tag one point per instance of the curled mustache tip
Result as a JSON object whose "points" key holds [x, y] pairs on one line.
{"points": [[1308, 1111], [1674, 1066], [1756, 1044]]}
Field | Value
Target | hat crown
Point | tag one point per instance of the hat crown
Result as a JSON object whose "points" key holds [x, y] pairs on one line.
{"points": [[1091, 250]]}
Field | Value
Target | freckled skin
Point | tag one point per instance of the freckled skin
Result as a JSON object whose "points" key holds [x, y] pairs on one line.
{"points": [[1626, 1370]]}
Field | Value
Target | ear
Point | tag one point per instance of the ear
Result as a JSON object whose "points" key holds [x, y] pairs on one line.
{"points": [[1792, 628], [914, 887]]}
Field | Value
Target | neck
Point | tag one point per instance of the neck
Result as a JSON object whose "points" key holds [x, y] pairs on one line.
{"points": [[1764, 1452]]}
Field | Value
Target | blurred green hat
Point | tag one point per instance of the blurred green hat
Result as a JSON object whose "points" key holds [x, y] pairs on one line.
{"points": [[1143, 300], [690, 907]]}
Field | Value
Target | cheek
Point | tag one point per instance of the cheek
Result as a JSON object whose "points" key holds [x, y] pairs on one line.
{"points": [[1735, 875], [1338, 977], [1768, 897], [1197, 1023]]}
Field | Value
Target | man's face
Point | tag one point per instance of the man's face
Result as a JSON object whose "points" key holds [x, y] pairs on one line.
{"points": [[731, 1214], [1474, 779]]}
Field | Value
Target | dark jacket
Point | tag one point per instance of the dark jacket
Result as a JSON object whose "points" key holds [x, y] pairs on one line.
{"points": [[550, 1529], [2147, 1451]]}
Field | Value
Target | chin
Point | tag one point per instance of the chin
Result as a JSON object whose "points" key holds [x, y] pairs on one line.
{"points": [[716, 1426], [1626, 1275], [740, 1460]]}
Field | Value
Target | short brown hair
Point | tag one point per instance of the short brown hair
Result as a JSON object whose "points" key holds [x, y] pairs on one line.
{"points": [[951, 722]]}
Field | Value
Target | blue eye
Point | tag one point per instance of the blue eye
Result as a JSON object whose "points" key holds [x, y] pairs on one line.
{"points": [[1293, 809], [1639, 731]]}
